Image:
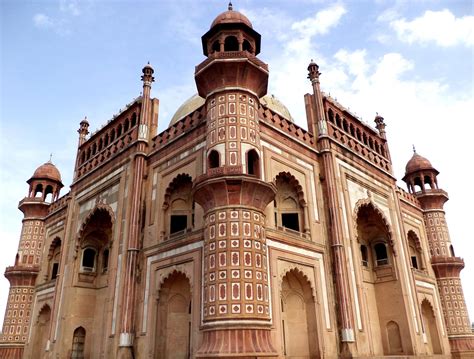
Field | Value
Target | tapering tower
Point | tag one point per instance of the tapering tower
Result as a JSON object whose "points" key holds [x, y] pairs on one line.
{"points": [[236, 314], [45, 185], [420, 177]]}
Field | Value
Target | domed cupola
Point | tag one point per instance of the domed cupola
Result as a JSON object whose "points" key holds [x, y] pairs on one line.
{"points": [[45, 180], [231, 46], [231, 31], [420, 172]]}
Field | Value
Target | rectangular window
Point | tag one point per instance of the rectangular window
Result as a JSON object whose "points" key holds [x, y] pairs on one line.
{"points": [[414, 263], [290, 220], [178, 223]]}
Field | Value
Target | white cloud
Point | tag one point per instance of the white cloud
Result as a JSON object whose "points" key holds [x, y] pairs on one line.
{"points": [[321, 22], [43, 21], [440, 27], [70, 7]]}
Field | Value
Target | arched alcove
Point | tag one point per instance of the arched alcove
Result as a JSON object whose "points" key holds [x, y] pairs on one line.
{"points": [[298, 316], [173, 318]]}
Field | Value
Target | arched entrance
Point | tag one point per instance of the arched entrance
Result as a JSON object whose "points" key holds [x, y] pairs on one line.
{"points": [[431, 329], [298, 317], [174, 318], [383, 304], [41, 331]]}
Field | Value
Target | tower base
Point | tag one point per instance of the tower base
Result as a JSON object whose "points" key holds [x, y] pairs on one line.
{"points": [[237, 343]]}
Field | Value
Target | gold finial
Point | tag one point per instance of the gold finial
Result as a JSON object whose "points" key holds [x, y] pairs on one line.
{"points": [[230, 7]]}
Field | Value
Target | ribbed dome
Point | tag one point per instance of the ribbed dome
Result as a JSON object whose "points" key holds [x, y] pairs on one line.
{"points": [[231, 17], [417, 163], [196, 101], [47, 171]]}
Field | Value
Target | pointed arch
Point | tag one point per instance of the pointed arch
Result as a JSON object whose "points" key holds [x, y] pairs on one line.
{"points": [[298, 315], [94, 238], [430, 326], [415, 250], [169, 272], [78, 343], [291, 211], [178, 206], [294, 183], [174, 184], [173, 317], [416, 239], [56, 242], [41, 329], [99, 207], [368, 203], [305, 273]]}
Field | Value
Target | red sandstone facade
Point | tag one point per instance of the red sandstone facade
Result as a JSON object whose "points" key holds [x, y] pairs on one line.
{"points": [[235, 233]]}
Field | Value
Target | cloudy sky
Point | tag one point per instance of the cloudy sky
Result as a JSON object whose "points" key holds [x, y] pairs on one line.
{"points": [[410, 61]]}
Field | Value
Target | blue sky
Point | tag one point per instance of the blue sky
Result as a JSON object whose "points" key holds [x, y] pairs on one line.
{"points": [[411, 61]]}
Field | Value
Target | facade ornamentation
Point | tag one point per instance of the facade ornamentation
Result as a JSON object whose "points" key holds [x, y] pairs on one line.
{"points": [[235, 233]]}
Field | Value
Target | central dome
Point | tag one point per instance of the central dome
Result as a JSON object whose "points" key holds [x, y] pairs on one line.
{"points": [[196, 101], [231, 17]]}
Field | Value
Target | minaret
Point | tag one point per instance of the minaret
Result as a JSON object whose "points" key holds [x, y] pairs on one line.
{"points": [[83, 131], [236, 312], [45, 182], [344, 307], [420, 177], [127, 327]]}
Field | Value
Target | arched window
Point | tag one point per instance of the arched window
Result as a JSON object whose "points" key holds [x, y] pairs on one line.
{"points": [[247, 47], [451, 251], [345, 126], [231, 44], [381, 256], [213, 159], [428, 182], [48, 193], [39, 190], [119, 130], [364, 255], [338, 121], [88, 259], [95, 241], [216, 47], [126, 125], [112, 135], [331, 115], [54, 257], [179, 204], [414, 250], [253, 163], [105, 260], [289, 201], [134, 119], [78, 343]]}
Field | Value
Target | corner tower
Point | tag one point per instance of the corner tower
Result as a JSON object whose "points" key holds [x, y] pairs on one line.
{"points": [[420, 177], [45, 185], [236, 314]]}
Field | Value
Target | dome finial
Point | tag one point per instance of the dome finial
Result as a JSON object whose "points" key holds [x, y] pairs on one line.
{"points": [[230, 7], [50, 158], [414, 149]]}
